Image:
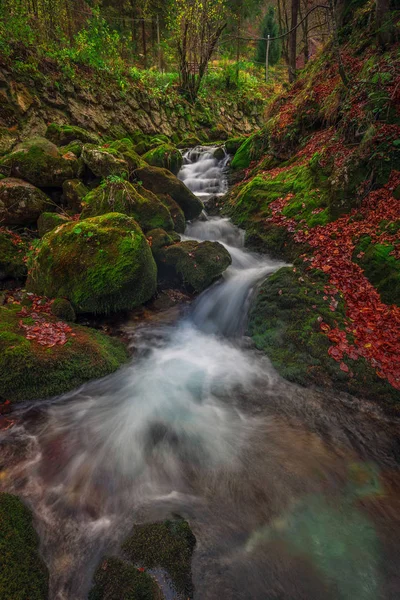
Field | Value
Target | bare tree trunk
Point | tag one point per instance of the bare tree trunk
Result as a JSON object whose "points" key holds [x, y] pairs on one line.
{"points": [[383, 24], [144, 42], [340, 11], [293, 41], [283, 26]]}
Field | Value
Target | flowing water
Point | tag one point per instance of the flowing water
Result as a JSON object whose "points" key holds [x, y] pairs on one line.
{"points": [[292, 494]]}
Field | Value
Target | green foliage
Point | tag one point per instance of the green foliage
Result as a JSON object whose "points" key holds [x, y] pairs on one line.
{"points": [[12, 254], [22, 572], [269, 27], [381, 267]]}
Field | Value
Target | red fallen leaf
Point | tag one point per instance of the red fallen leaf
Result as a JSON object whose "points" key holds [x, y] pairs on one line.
{"points": [[344, 367], [141, 569], [335, 353], [325, 327]]}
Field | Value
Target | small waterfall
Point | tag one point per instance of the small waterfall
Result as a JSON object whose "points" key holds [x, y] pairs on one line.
{"points": [[203, 172]]}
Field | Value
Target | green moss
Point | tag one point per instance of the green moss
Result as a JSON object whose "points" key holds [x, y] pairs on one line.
{"points": [[126, 149], [168, 545], [196, 265], [159, 239], [165, 156], [175, 211], [123, 197], [23, 573], [40, 168], [381, 268], [75, 147], [74, 191], [104, 162], [101, 265], [283, 322], [251, 150], [61, 135], [189, 141], [49, 221], [12, 254], [233, 144], [116, 579], [30, 371]]}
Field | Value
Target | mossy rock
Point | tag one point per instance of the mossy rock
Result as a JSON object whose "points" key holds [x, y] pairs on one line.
{"points": [[23, 573], [127, 151], [75, 147], [74, 191], [381, 268], [40, 168], [162, 181], [284, 322], [12, 254], [38, 142], [175, 211], [49, 221], [63, 309], [219, 153], [218, 133], [29, 371], [123, 197], [61, 135], [159, 239], [189, 141], [142, 147], [117, 579], [233, 144], [168, 545], [195, 265], [165, 156], [101, 265], [251, 150], [104, 162], [21, 203]]}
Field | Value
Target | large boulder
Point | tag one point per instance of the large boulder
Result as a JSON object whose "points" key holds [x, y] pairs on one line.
{"points": [[175, 211], [194, 265], [40, 356], [165, 156], [74, 191], [127, 151], [123, 197], [162, 181], [41, 168], [12, 255], [38, 142], [61, 135], [101, 265], [20, 202], [49, 221], [104, 161], [23, 573]]}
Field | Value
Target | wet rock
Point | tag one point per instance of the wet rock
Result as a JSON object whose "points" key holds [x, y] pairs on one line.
{"points": [[74, 191], [159, 239], [194, 264], [20, 202], [165, 156], [104, 161], [61, 135], [63, 309], [162, 181], [101, 265]]}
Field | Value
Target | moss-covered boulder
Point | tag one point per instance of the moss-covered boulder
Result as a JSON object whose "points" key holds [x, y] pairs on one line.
{"points": [[23, 573], [175, 211], [285, 322], [168, 545], [63, 309], [20, 202], [219, 153], [195, 265], [41, 168], [123, 197], [101, 265], [251, 150], [12, 255], [189, 141], [37, 142], [127, 151], [75, 147], [31, 369], [218, 133], [103, 162], [165, 156], [61, 135], [162, 181], [74, 191], [49, 221], [159, 239], [117, 579]]}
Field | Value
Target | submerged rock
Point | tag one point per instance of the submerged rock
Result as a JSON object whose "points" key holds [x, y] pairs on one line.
{"points": [[162, 181], [20, 202], [165, 156], [101, 265], [23, 573], [193, 264], [30, 371], [125, 198]]}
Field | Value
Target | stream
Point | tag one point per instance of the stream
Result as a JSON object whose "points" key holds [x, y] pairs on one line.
{"points": [[292, 493]]}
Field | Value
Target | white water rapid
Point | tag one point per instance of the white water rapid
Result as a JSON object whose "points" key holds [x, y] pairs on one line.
{"points": [[200, 424]]}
